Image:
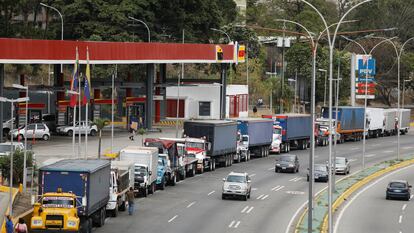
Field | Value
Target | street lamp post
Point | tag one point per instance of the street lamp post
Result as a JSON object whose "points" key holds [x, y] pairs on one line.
{"points": [[331, 42], [140, 21], [74, 122], [61, 30], [324, 86], [25, 133], [296, 84], [403, 95], [12, 102], [225, 33]]}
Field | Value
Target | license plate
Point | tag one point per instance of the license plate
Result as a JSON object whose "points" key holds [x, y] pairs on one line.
{"points": [[283, 168], [53, 222], [397, 191]]}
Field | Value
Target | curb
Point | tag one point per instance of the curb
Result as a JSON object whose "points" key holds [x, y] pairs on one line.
{"points": [[344, 196], [15, 192]]}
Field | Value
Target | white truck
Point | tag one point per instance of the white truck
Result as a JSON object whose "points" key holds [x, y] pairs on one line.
{"points": [[145, 165], [375, 122], [390, 122], [404, 122], [122, 179]]}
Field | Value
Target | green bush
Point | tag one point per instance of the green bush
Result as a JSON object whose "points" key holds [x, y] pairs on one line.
{"points": [[18, 157]]}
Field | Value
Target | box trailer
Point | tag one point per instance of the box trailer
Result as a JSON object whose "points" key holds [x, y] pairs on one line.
{"points": [[390, 122], [350, 122], [221, 135], [257, 134], [375, 122]]}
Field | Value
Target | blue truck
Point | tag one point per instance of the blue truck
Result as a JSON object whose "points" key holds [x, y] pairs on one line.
{"points": [[296, 130], [255, 137], [350, 122], [73, 195]]}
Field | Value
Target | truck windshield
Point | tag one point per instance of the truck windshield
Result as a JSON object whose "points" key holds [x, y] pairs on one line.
{"points": [[277, 131], [195, 145], [245, 139], [141, 170], [58, 202]]}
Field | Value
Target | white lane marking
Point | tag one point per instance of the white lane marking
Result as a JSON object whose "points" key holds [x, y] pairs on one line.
{"points": [[259, 196], [370, 155], [251, 208], [350, 201], [211, 193], [273, 189], [404, 206], [355, 148], [407, 147], [296, 179], [270, 168], [400, 219], [280, 188], [192, 203], [231, 224], [244, 209], [264, 197], [252, 175], [412, 196], [288, 227], [387, 151], [295, 192], [376, 144], [254, 189], [172, 219], [353, 160], [237, 224]]}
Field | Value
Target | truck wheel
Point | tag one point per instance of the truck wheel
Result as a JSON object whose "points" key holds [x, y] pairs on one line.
{"points": [[173, 180], [162, 184], [100, 221], [288, 147], [152, 189], [115, 211], [238, 158], [145, 192], [89, 225], [193, 172], [213, 164]]}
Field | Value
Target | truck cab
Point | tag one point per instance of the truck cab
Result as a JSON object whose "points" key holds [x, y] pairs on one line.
{"points": [[142, 175], [243, 147], [55, 211], [276, 139], [162, 169]]}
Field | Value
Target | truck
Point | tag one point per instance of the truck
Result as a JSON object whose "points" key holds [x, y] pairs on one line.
{"points": [[295, 128], [390, 122], [221, 134], [258, 133], [145, 163], [375, 119], [162, 169], [350, 122], [404, 116], [122, 179], [72, 196], [195, 154]]}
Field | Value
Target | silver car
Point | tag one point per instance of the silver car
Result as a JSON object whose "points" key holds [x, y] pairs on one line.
{"points": [[342, 166], [35, 130], [237, 185]]}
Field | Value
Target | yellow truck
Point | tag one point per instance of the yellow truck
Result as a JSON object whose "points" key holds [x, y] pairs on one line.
{"points": [[72, 196]]}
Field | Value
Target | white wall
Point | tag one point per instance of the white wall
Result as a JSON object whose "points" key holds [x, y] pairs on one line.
{"points": [[193, 95], [236, 90]]}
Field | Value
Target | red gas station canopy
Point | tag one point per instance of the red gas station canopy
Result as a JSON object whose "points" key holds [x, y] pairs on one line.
{"points": [[26, 51]]}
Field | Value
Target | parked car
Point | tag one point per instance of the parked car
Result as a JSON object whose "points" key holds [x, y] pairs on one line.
{"points": [[342, 166], [399, 189], [35, 130], [237, 185], [287, 163], [7, 127], [320, 173], [69, 129], [50, 121]]}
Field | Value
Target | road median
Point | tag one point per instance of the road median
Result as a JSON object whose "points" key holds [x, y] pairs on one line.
{"points": [[344, 189]]}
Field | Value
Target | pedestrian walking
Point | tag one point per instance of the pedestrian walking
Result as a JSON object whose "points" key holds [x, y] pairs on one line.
{"points": [[130, 199], [133, 126], [9, 224], [21, 227]]}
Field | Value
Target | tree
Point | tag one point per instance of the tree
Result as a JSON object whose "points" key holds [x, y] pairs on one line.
{"points": [[18, 158], [100, 124]]}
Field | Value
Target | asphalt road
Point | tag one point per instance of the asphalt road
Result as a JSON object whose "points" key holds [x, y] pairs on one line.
{"points": [[195, 205], [369, 211]]}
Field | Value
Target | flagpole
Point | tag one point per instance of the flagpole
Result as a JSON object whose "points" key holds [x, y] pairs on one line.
{"points": [[80, 117], [73, 133], [74, 106], [87, 97], [86, 130]]}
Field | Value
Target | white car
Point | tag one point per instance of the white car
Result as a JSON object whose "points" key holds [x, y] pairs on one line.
{"points": [[69, 129], [237, 185], [35, 130], [5, 147]]}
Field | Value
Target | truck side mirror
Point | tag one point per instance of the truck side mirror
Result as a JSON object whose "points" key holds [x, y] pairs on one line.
{"points": [[209, 146], [224, 179], [150, 172], [84, 201]]}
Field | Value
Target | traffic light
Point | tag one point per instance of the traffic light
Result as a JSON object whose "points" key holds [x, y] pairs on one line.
{"points": [[219, 53]]}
